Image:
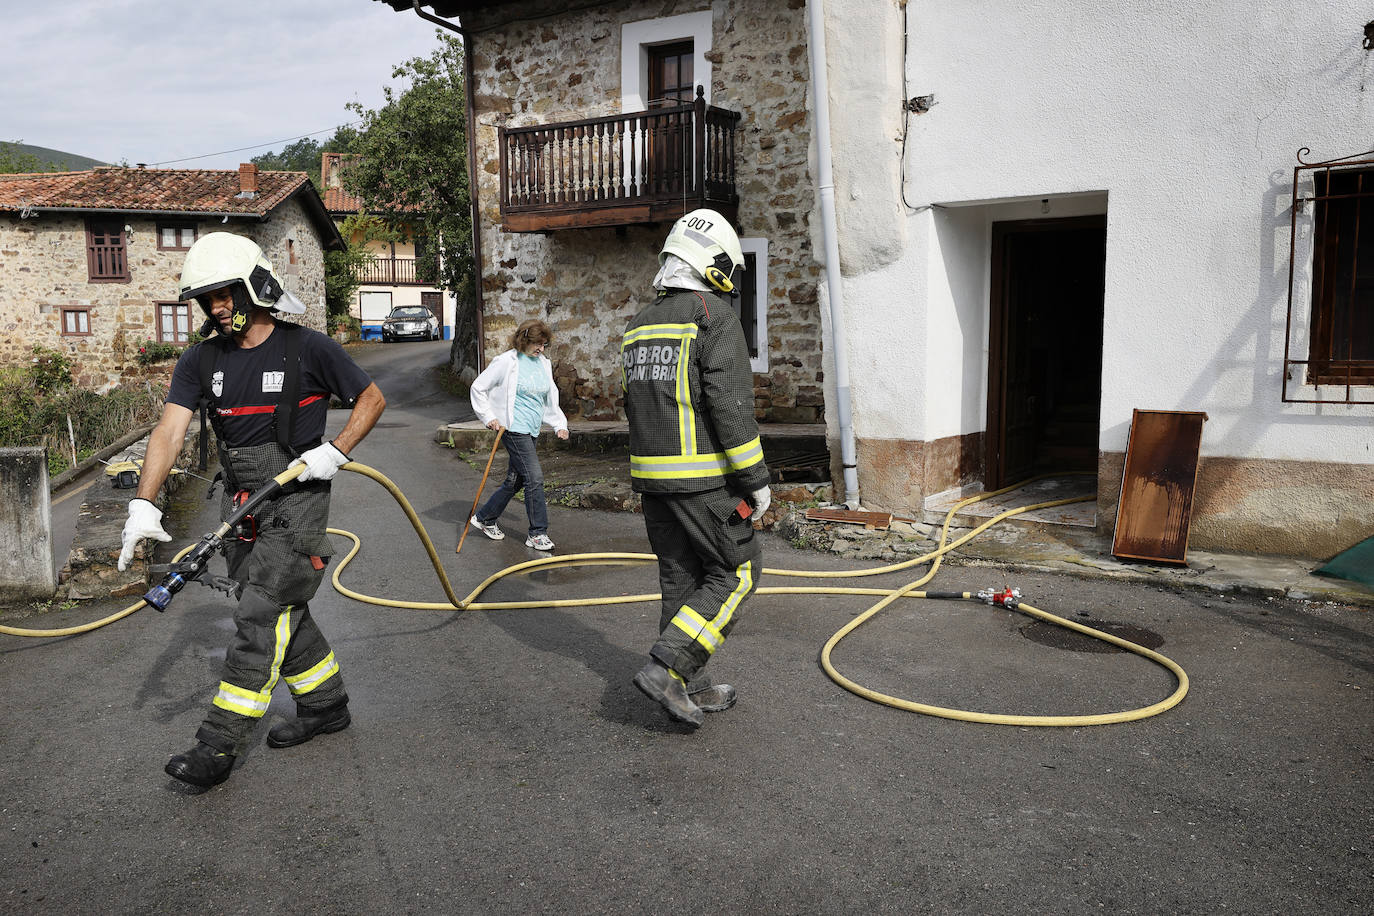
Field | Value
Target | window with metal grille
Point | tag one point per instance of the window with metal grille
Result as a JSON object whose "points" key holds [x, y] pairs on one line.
{"points": [[1331, 274], [106, 258], [173, 322]]}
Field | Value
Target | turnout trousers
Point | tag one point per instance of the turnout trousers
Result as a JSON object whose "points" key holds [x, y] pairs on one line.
{"points": [[708, 564], [278, 572]]}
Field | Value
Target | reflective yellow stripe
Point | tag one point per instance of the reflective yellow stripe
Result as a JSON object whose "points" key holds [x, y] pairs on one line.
{"points": [[707, 633], [676, 331], [686, 418], [283, 640], [244, 702], [699, 628], [253, 703], [746, 455], [744, 576], [308, 680], [677, 467]]}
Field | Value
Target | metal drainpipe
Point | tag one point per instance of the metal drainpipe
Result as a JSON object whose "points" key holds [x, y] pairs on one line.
{"points": [[825, 180], [472, 173]]}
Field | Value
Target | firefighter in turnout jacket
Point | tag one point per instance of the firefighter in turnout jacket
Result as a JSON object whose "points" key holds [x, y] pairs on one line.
{"points": [[695, 458], [267, 386]]}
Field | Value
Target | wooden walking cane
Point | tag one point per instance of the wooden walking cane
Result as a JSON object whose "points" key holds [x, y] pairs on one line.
{"points": [[466, 525]]}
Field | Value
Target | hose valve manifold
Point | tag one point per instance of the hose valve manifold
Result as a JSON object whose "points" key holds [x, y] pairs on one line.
{"points": [[1007, 597]]}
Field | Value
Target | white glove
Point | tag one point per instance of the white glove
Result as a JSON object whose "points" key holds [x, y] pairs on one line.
{"points": [[760, 498], [145, 521], [321, 463]]}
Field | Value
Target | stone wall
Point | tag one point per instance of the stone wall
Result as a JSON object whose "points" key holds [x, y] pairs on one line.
{"points": [[588, 283], [43, 269]]}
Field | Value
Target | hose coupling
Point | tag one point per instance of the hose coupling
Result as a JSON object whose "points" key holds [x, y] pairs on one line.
{"points": [[1007, 597]]}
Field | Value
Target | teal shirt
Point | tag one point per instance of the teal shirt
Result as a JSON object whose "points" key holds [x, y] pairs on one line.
{"points": [[531, 391]]}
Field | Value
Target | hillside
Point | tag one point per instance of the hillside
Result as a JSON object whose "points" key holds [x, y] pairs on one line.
{"points": [[68, 162]]}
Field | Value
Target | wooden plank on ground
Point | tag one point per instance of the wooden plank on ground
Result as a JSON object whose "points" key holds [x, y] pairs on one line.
{"points": [[867, 519]]}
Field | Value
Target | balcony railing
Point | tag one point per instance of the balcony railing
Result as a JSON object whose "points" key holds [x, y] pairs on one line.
{"points": [[397, 272], [640, 167]]}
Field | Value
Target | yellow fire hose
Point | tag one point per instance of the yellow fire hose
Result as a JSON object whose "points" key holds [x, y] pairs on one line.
{"points": [[887, 596]]}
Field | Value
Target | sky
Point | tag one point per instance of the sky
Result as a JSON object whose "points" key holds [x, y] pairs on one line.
{"points": [[157, 81]]}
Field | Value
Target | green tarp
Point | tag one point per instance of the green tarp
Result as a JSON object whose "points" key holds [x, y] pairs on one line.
{"points": [[1355, 564]]}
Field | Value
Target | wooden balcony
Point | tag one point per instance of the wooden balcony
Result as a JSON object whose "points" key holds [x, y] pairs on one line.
{"points": [[621, 170], [398, 272]]}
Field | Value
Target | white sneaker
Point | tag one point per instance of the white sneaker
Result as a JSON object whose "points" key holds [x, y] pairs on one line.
{"points": [[539, 542], [491, 531]]}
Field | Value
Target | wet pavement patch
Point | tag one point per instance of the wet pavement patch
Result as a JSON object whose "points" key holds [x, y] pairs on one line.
{"points": [[1057, 637]]}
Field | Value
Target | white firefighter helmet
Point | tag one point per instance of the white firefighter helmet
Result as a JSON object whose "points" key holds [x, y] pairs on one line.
{"points": [[707, 241], [222, 259]]}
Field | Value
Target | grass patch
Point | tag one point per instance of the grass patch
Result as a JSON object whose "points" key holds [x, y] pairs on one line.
{"points": [[37, 402]]}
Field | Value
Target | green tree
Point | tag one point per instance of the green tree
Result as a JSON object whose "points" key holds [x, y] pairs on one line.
{"points": [[412, 162], [14, 160], [304, 155], [341, 268]]}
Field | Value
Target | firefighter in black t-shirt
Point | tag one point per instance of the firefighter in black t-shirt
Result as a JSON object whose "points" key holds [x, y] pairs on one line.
{"points": [[252, 363]]}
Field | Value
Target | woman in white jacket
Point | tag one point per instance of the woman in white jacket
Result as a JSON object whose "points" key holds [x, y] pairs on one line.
{"points": [[516, 393]]}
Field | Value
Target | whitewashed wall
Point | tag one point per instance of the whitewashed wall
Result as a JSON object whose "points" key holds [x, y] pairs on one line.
{"points": [[1185, 116]]}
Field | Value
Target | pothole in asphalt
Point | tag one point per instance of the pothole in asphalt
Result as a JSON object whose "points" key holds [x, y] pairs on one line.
{"points": [[1057, 637]]}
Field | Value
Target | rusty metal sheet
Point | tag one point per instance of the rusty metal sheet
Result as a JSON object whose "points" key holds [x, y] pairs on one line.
{"points": [[1156, 506]]}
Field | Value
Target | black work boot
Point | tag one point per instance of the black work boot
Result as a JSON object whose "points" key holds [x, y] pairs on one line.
{"points": [[658, 682], [711, 697], [201, 766], [299, 731]]}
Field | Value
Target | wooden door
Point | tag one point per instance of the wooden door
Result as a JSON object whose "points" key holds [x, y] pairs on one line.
{"points": [[670, 84], [435, 303], [1044, 347]]}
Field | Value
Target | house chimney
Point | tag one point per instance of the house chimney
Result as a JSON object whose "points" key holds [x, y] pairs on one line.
{"points": [[248, 180]]}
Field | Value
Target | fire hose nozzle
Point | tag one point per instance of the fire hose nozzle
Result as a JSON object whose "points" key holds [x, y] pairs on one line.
{"points": [[1007, 597]]}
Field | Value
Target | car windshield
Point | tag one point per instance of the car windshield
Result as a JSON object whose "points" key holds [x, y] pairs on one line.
{"points": [[410, 311]]}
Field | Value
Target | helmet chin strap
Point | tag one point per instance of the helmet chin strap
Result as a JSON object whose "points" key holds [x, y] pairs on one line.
{"points": [[239, 318]]}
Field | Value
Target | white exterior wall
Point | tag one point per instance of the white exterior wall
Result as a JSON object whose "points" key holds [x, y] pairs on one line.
{"points": [[1185, 116]]}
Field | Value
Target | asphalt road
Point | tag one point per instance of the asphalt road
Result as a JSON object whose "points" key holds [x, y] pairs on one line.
{"points": [[502, 762]]}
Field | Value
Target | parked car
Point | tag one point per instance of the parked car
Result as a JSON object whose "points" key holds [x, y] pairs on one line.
{"points": [[410, 321]]}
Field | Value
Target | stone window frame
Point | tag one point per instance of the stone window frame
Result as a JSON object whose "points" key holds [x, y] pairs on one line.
{"points": [[82, 314], [179, 228], [637, 37], [164, 335]]}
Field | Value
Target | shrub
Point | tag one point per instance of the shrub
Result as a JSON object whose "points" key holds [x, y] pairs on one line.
{"points": [[155, 351], [51, 370], [35, 413]]}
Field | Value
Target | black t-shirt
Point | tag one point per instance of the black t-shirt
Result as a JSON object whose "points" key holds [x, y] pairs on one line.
{"points": [[253, 378]]}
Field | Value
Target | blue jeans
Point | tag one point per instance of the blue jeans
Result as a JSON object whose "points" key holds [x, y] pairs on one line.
{"points": [[522, 472]]}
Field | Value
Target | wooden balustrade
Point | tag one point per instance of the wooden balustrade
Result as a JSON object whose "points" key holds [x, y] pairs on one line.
{"points": [[643, 166], [397, 272]]}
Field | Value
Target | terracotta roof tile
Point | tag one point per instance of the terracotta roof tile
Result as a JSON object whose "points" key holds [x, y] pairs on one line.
{"points": [[173, 190]]}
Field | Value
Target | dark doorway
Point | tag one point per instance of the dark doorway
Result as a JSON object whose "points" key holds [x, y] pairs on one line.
{"points": [[435, 303], [1045, 347]]}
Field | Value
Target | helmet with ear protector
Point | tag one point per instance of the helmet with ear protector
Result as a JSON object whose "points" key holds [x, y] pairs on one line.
{"points": [[707, 241], [222, 259]]}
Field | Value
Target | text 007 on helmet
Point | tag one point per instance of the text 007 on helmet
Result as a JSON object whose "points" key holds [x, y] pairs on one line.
{"points": [[707, 241]]}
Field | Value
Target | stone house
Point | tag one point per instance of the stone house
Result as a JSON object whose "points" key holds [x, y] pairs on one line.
{"points": [[397, 275], [89, 261], [593, 130], [989, 234]]}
